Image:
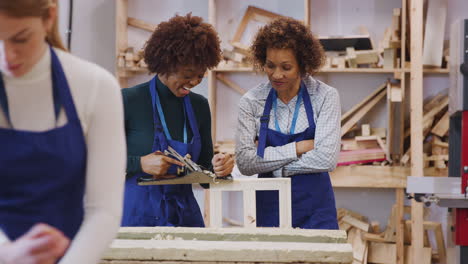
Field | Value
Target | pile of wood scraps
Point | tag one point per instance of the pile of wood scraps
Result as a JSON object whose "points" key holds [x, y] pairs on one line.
{"points": [[370, 245], [359, 52], [367, 145], [132, 60], [435, 134]]}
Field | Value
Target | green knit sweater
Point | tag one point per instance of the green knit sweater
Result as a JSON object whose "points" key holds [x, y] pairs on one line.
{"points": [[139, 126]]}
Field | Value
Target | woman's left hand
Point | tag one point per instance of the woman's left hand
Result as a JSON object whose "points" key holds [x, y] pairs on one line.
{"points": [[222, 164]]}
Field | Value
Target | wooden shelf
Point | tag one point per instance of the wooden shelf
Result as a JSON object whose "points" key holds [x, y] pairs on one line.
{"points": [[342, 70], [376, 176], [234, 69], [370, 176]]}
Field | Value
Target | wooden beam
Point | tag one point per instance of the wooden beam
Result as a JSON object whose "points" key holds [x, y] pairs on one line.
{"points": [[369, 176], [363, 102], [434, 111], [141, 24], [416, 106], [384, 253], [230, 83], [362, 112], [121, 12], [434, 33], [400, 225], [441, 128], [307, 13], [364, 226]]}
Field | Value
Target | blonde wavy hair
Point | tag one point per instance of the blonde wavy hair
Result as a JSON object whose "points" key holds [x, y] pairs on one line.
{"points": [[34, 8]]}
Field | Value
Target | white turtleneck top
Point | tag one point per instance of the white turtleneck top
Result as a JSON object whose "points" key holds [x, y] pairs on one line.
{"points": [[97, 99]]}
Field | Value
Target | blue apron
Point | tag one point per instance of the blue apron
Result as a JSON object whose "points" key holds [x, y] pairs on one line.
{"points": [[313, 201], [165, 205], [42, 174]]}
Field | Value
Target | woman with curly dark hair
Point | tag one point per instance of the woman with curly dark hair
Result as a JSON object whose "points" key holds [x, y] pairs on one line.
{"points": [[290, 126], [164, 112]]}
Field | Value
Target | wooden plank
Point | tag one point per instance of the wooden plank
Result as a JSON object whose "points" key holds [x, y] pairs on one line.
{"points": [[436, 227], [399, 222], [389, 233], [216, 210], [281, 235], [250, 212], [362, 112], [285, 204], [370, 176], [441, 250], [384, 253], [224, 251], [365, 130], [230, 83], [138, 23], [356, 223], [390, 58], [351, 57], [441, 128], [434, 111], [307, 13], [251, 13], [359, 247], [121, 35], [373, 238], [363, 102], [341, 212], [416, 118], [434, 34], [212, 102]]}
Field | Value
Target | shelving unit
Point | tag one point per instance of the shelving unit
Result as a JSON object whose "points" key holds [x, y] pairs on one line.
{"points": [[350, 176]]}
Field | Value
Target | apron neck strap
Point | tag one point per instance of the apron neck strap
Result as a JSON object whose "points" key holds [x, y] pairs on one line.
{"points": [[160, 120], [296, 112]]}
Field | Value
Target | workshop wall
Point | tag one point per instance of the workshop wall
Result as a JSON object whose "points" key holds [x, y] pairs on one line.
{"points": [[94, 40]]}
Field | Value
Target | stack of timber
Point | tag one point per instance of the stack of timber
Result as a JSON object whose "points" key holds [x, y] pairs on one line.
{"points": [[132, 60], [366, 145], [370, 245], [148, 245], [435, 135]]}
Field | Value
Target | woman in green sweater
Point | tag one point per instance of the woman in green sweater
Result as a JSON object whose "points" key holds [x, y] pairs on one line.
{"points": [[163, 112]]}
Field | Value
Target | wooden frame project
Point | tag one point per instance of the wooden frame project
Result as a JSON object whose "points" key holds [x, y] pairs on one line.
{"points": [[249, 188], [251, 14]]}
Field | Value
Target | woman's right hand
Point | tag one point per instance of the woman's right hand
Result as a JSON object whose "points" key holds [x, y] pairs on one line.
{"points": [[304, 146], [157, 164], [42, 244]]}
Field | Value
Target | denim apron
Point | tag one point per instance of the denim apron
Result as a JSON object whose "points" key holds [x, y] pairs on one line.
{"points": [[313, 201], [42, 174], [165, 205]]}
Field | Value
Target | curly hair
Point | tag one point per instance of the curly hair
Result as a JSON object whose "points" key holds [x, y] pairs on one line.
{"points": [[288, 33], [183, 40]]}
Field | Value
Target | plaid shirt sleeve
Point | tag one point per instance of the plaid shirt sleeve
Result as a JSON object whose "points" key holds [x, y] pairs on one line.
{"points": [[327, 142], [246, 149]]}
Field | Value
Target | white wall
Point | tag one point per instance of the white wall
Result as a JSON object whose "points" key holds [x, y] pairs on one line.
{"points": [[94, 39]]}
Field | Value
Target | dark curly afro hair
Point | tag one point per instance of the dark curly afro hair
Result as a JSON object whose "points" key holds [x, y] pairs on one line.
{"points": [[288, 33], [183, 40]]}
